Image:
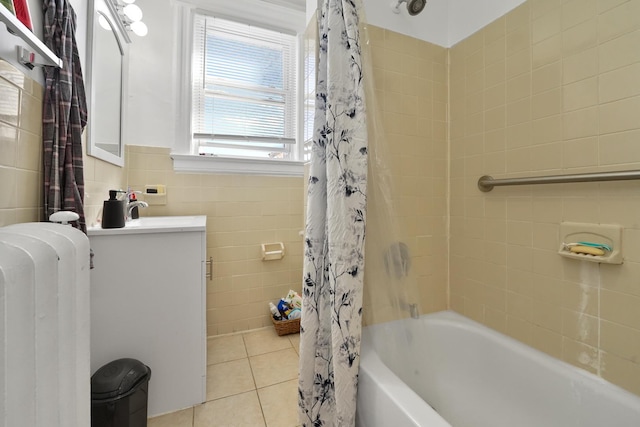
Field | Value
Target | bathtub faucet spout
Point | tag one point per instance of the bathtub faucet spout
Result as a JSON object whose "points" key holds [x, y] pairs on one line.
{"points": [[413, 310]]}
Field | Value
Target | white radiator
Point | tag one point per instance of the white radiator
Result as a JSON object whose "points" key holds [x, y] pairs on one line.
{"points": [[44, 326]]}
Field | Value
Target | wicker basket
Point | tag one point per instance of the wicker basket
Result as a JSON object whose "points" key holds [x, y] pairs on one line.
{"points": [[286, 327]]}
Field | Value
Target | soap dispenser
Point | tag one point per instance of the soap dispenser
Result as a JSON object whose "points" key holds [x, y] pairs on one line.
{"points": [[113, 211]]}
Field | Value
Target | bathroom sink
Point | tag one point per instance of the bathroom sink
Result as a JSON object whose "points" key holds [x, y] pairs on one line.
{"points": [[153, 224]]}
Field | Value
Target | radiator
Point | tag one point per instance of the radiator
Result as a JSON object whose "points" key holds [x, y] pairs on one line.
{"points": [[44, 326]]}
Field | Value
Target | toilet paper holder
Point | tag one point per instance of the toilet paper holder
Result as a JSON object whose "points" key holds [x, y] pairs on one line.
{"points": [[272, 251]]}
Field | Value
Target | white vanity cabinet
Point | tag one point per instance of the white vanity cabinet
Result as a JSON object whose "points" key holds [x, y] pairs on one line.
{"points": [[148, 295]]}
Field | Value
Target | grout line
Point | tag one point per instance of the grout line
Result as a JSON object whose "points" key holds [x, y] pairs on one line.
{"points": [[253, 377], [261, 408], [230, 334]]}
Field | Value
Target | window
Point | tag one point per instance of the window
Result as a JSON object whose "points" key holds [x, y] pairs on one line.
{"points": [[244, 91]]}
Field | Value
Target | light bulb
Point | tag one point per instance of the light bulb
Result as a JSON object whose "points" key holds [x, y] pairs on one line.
{"points": [[133, 12], [104, 23], [139, 28]]}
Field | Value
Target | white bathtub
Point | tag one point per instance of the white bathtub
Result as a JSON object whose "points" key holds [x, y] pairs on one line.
{"points": [[473, 376]]}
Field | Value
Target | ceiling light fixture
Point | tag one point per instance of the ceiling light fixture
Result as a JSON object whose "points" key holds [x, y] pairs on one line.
{"points": [[131, 17]]}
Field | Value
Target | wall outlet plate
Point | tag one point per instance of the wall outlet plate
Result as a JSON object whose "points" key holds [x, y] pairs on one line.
{"points": [[155, 195]]}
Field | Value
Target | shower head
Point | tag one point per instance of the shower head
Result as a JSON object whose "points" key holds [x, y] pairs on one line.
{"points": [[414, 7]]}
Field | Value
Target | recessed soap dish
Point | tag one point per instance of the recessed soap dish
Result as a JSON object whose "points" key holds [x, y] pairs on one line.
{"points": [[607, 235]]}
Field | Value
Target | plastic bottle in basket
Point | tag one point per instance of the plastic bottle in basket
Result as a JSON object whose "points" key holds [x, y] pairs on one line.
{"points": [[274, 312]]}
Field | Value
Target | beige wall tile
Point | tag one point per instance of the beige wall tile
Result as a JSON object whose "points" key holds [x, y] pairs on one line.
{"points": [[621, 372], [541, 7], [620, 340], [580, 152], [575, 12], [518, 63], [620, 308], [547, 51], [10, 106], [8, 145], [547, 341], [618, 20], [619, 83], [546, 77], [518, 39], [580, 37], [580, 123], [619, 52], [581, 94], [546, 104], [547, 25], [519, 87], [30, 114], [580, 355], [620, 115], [580, 66], [518, 17]]}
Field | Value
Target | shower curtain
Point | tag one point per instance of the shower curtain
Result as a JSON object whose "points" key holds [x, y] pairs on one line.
{"points": [[335, 231], [64, 115]]}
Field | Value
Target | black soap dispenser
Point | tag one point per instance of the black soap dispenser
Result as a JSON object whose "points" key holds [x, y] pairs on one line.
{"points": [[113, 211]]}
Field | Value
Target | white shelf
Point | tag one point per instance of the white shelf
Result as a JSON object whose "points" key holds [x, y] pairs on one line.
{"points": [[19, 30]]}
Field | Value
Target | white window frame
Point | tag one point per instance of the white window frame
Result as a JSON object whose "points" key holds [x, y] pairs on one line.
{"points": [[252, 12]]}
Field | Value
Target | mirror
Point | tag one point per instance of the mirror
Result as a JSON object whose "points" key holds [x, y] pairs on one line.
{"points": [[106, 77]]}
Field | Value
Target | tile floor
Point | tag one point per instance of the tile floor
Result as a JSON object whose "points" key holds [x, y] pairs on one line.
{"points": [[252, 381]]}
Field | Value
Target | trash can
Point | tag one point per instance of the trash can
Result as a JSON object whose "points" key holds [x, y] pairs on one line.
{"points": [[119, 394]]}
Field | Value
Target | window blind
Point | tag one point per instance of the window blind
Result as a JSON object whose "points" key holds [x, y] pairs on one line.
{"points": [[244, 90]]}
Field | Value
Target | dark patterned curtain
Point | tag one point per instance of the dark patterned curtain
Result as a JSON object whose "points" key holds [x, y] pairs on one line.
{"points": [[335, 231], [64, 115]]}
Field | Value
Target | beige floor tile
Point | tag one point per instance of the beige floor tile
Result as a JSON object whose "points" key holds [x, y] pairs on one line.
{"points": [[242, 410], [265, 341], [273, 368], [229, 378], [280, 404], [182, 418], [295, 342], [224, 349]]}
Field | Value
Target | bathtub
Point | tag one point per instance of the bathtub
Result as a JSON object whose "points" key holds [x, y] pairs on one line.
{"points": [[456, 372]]}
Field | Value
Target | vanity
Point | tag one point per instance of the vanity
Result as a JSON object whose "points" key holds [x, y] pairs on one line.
{"points": [[148, 302]]}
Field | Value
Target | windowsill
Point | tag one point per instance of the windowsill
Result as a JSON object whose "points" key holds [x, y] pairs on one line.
{"points": [[229, 165]]}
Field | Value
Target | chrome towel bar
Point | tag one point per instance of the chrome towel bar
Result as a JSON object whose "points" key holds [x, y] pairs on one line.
{"points": [[486, 182]]}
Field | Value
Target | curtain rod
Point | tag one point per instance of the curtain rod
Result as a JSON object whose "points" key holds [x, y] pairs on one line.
{"points": [[486, 182]]}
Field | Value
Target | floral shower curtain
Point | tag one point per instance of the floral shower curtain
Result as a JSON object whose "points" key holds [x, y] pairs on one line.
{"points": [[335, 230]]}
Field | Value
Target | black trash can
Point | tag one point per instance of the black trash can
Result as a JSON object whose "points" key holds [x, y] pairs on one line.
{"points": [[119, 394]]}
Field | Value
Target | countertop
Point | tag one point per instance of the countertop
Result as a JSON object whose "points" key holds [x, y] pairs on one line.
{"points": [[154, 224]]}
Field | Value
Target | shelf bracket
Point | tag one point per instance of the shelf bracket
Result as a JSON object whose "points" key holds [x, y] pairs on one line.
{"points": [[36, 48]]}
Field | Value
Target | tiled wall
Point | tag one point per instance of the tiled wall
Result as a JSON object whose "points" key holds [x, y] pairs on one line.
{"points": [[99, 178], [553, 87], [20, 146], [410, 99], [243, 211]]}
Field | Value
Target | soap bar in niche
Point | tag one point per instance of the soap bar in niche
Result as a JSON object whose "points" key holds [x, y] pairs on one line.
{"points": [[587, 250]]}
